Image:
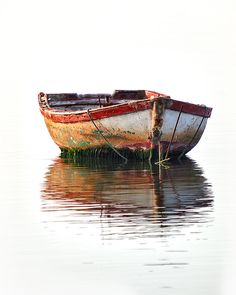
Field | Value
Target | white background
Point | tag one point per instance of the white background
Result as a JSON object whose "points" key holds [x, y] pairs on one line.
{"points": [[183, 48]]}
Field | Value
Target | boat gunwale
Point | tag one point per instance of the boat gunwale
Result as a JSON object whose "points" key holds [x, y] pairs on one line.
{"points": [[119, 109]]}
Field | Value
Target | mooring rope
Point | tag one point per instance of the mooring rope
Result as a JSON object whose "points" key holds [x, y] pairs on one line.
{"points": [[173, 134], [110, 145]]}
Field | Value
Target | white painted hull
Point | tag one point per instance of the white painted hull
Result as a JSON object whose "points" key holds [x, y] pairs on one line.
{"points": [[130, 131], [143, 125]]}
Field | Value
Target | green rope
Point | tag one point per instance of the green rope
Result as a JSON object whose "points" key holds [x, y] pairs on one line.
{"points": [[110, 145]]}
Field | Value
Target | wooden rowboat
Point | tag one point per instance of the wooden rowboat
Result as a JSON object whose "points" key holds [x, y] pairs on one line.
{"points": [[144, 124]]}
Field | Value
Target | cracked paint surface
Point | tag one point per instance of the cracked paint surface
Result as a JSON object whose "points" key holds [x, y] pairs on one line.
{"points": [[134, 125]]}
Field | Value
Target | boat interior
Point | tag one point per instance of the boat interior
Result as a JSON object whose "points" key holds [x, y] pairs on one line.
{"points": [[74, 101]]}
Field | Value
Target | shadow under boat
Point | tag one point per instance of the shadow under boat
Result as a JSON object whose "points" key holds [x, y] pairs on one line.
{"points": [[133, 193]]}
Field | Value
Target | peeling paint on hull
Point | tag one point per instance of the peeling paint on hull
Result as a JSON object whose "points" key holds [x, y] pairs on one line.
{"points": [[128, 127]]}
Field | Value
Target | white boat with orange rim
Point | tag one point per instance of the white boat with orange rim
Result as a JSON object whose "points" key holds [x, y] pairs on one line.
{"points": [[129, 123]]}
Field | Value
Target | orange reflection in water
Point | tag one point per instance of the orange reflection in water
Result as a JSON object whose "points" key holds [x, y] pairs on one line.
{"points": [[130, 193]]}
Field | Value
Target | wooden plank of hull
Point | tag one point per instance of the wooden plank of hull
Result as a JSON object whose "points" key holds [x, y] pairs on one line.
{"points": [[186, 133]]}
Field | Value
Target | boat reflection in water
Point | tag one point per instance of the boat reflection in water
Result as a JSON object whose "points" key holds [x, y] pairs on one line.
{"points": [[133, 199]]}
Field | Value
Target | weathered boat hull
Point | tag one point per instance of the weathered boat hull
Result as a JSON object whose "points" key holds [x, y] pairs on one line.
{"points": [[136, 126]]}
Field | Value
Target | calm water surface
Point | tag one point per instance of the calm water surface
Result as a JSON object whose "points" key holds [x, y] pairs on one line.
{"points": [[132, 201], [96, 227]]}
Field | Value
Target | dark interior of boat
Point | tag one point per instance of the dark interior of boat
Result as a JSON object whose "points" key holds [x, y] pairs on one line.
{"points": [[74, 101]]}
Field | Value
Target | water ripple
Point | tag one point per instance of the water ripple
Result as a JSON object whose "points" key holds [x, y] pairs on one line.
{"points": [[133, 200]]}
